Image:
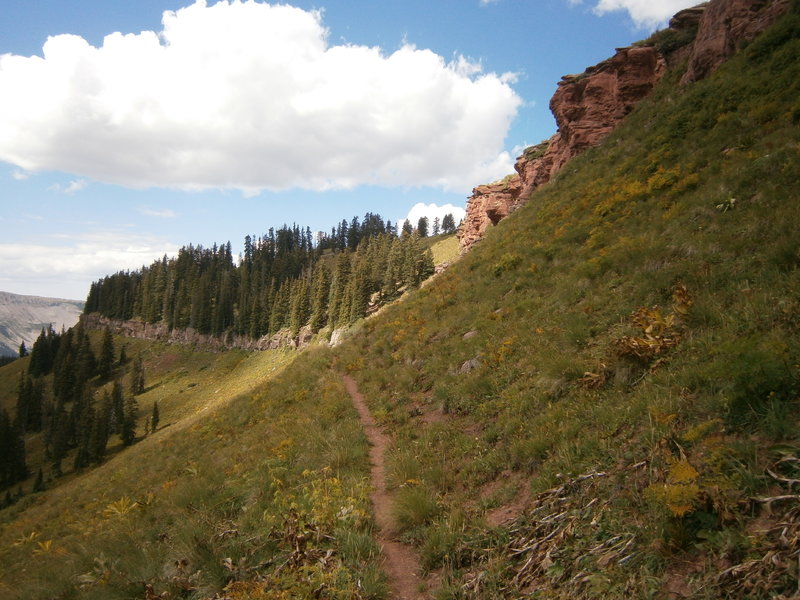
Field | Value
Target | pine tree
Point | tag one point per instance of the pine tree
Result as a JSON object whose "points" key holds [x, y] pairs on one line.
{"points": [[38, 485], [98, 439], [107, 354], [300, 306], [83, 431], [448, 224], [154, 417], [130, 414], [320, 288], [23, 351], [24, 390], [137, 382], [422, 227], [13, 465], [117, 415]]}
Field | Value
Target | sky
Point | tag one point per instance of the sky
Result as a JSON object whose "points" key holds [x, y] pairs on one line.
{"points": [[130, 129]]}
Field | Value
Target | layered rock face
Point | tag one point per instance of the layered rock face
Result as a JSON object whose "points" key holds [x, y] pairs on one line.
{"points": [[587, 107], [725, 27]]}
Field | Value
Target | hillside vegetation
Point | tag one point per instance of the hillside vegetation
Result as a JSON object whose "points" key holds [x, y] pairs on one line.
{"points": [[599, 401]]}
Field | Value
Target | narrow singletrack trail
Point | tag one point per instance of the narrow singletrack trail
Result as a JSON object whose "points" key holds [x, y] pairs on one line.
{"points": [[402, 566]]}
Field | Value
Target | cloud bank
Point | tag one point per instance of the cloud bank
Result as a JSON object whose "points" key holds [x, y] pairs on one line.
{"points": [[646, 14], [252, 96], [77, 260]]}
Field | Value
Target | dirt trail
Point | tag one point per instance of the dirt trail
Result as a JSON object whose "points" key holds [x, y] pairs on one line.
{"points": [[402, 566]]}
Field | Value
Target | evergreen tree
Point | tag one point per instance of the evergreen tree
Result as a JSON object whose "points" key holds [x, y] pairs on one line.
{"points": [[85, 422], [338, 288], [448, 224], [154, 419], [320, 289], [98, 438], [13, 466], [130, 414], [117, 412], [24, 389], [407, 228], [137, 382], [38, 485], [23, 351], [436, 227], [58, 437], [422, 227], [107, 355], [300, 306]]}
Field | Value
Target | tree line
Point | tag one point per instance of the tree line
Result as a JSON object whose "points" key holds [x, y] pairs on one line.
{"points": [[283, 279], [77, 399]]}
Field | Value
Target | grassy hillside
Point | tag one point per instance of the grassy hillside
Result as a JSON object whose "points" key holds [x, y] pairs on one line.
{"points": [[244, 476], [599, 401]]}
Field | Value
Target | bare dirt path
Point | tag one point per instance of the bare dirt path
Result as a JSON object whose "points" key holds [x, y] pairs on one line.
{"points": [[402, 566]]}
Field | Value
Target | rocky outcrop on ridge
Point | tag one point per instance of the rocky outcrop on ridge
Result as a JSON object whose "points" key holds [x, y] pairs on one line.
{"points": [[587, 107], [161, 333], [725, 26]]}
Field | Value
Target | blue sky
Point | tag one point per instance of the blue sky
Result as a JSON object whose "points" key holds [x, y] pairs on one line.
{"points": [[218, 120]]}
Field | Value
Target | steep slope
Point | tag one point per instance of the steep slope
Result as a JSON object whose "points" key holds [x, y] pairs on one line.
{"points": [[23, 317], [590, 105], [599, 401], [249, 479]]}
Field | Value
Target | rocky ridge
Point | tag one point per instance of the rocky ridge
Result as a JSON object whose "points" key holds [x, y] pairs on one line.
{"points": [[588, 106], [159, 332]]}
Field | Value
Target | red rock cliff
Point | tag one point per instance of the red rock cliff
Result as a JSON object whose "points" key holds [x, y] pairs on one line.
{"points": [[587, 107], [725, 26]]}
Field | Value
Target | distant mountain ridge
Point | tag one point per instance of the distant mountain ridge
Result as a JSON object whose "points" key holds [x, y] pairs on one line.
{"points": [[22, 318]]}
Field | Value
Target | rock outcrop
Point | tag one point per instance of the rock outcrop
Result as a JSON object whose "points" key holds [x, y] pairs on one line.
{"points": [[587, 107], [161, 333], [726, 25]]}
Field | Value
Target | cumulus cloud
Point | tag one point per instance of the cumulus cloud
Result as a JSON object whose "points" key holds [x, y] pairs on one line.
{"points": [[65, 266], [432, 211], [252, 96], [646, 14]]}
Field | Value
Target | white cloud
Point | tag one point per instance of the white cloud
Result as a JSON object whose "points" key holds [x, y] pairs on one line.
{"points": [[252, 96], [432, 211], [163, 213], [76, 185], [646, 14], [66, 267], [19, 175]]}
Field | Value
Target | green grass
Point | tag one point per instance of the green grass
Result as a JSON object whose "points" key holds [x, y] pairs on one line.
{"points": [[445, 249], [638, 470], [697, 188], [215, 495]]}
